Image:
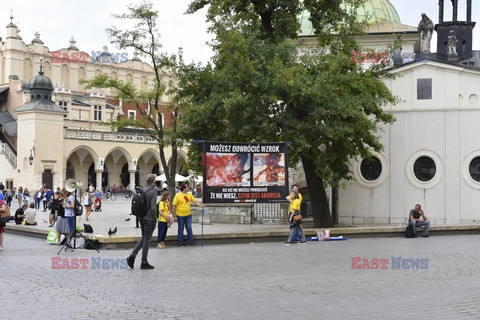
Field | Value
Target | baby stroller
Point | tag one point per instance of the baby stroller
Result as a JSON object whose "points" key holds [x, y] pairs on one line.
{"points": [[98, 204]]}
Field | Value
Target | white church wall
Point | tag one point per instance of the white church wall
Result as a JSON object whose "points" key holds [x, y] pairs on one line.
{"points": [[445, 129]]}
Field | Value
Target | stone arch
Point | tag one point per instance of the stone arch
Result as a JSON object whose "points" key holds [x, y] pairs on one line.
{"points": [[148, 159], [181, 162], [78, 162], [65, 76], [129, 78], [27, 70], [2, 69], [90, 150], [47, 68], [148, 156], [115, 160], [81, 76]]}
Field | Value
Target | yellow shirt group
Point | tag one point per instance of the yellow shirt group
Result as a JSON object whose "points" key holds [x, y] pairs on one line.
{"points": [[163, 207], [182, 204]]}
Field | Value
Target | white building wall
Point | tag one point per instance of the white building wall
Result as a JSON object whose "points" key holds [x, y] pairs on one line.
{"points": [[445, 128]]}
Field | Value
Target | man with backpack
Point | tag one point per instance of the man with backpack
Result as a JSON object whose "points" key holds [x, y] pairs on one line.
{"points": [[144, 206]]}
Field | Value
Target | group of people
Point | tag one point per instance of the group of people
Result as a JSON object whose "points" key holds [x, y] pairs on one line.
{"points": [[41, 197], [7, 195], [417, 218], [180, 211], [61, 206]]}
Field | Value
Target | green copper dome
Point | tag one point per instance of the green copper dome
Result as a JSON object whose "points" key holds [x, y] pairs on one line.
{"points": [[378, 11]]}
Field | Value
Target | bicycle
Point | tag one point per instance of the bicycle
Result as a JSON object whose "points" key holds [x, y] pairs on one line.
{"points": [[127, 194], [109, 195]]}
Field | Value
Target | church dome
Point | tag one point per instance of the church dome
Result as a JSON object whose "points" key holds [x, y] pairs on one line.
{"points": [[378, 12], [41, 82]]}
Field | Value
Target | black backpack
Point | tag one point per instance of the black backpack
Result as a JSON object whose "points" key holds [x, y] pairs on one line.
{"points": [[409, 231], [139, 204], [78, 209], [87, 228]]}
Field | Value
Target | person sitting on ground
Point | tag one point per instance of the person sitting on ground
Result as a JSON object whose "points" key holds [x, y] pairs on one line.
{"points": [[419, 219], [20, 214], [30, 215]]}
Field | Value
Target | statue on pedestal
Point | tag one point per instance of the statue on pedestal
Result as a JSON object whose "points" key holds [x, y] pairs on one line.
{"points": [[452, 43], [425, 32]]}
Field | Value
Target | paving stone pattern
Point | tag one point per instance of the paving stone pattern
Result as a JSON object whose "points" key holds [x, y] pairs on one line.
{"points": [[247, 281]]}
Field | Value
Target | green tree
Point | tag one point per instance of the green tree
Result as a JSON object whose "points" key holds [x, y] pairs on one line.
{"points": [[264, 84], [144, 37]]}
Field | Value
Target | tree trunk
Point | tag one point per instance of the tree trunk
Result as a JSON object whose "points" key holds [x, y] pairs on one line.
{"points": [[318, 197]]}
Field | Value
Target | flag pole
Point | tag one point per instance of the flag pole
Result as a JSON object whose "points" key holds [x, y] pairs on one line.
{"points": [[203, 241]]}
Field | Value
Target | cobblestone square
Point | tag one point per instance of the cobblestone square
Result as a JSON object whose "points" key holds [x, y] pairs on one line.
{"points": [[246, 281]]}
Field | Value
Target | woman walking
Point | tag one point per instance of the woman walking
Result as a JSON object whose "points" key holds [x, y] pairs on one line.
{"points": [[38, 198], [295, 223], [20, 196], [26, 196], [87, 203]]}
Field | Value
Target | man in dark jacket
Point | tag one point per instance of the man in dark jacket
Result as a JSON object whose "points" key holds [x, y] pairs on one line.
{"points": [[147, 223]]}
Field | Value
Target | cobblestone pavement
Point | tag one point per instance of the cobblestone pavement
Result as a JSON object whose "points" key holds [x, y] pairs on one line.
{"points": [[246, 281]]}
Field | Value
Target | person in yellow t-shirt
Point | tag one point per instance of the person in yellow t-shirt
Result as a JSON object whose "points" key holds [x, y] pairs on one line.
{"points": [[164, 219], [290, 198], [295, 226], [183, 214]]}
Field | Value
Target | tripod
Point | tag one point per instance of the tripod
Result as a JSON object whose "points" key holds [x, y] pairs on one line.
{"points": [[75, 232]]}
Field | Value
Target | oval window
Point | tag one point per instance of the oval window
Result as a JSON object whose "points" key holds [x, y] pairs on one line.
{"points": [[474, 169], [371, 169], [424, 168]]}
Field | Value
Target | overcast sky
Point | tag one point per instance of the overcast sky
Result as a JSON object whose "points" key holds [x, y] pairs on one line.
{"points": [[57, 21]]}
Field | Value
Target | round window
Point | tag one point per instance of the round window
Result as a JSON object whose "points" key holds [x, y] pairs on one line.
{"points": [[474, 169], [371, 169], [424, 168]]}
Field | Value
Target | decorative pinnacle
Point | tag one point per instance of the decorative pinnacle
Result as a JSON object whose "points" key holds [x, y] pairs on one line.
{"points": [[41, 67]]}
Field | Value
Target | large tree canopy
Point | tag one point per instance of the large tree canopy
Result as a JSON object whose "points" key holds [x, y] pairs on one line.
{"points": [[264, 84], [144, 38]]}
